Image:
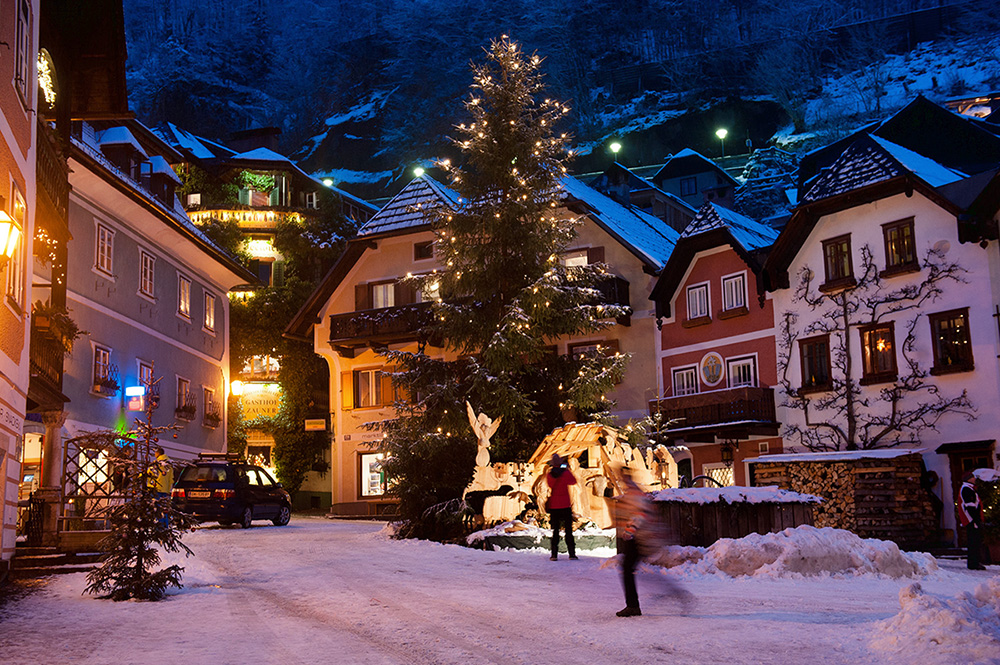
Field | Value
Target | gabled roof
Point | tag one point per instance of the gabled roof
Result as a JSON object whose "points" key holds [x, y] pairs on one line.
{"points": [[157, 164], [870, 169], [410, 208], [646, 236], [261, 155], [713, 226], [687, 162], [194, 147], [119, 135]]}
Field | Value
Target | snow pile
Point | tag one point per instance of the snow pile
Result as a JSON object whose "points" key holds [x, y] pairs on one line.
{"points": [[963, 629], [804, 550], [533, 531], [734, 494]]}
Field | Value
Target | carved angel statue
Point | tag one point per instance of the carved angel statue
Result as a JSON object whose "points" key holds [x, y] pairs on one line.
{"points": [[484, 428]]}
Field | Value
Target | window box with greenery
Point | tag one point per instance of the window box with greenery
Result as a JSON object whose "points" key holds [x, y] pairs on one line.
{"points": [[187, 410], [56, 322], [213, 417], [106, 386]]}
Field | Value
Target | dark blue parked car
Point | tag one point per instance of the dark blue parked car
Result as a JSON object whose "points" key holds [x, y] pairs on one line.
{"points": [[227, 491]]}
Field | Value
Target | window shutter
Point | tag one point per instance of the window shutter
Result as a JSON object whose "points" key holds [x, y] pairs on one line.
{"points": [[387, 397], [595, 255], [279, 273], [347, 390], [401, 293], [362, 297]]}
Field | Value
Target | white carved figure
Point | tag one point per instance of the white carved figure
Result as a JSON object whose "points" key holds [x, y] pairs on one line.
{"points": [[484, 428]]}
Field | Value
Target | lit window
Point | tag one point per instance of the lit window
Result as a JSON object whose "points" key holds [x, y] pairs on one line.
{"points": [[372, 476], [576, 258], [742, 372], [429, 292], [685, 381], [734, 292], [720, 473], [837, 260], [878, 353], [951, 341], [697, 301], [105, 250], [184, 296], [383, 295], [146, 273], [15, 266], [194, 199], [814, 354], [368, 390], [209, 311], [900, 250]]}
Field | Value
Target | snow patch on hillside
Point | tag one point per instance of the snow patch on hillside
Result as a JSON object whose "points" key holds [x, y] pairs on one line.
{"points": [[802, 551], [962, 629]]}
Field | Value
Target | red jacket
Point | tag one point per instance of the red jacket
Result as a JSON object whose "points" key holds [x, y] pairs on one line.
{"points": [[560, 489]]}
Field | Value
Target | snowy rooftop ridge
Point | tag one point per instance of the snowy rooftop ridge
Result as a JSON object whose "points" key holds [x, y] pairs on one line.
{"points": [[734, 494], [411, 207], [931, 172], [262, 155], [648, 235], [748, 232], [837, 455]]}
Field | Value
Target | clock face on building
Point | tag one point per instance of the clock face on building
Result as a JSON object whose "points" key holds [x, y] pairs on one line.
{"points": [[711, 369]]}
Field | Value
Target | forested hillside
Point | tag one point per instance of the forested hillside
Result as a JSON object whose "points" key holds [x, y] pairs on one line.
{"points": [[361, 88]]}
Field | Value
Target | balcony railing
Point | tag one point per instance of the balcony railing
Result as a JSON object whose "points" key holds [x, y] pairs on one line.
{"points": [[52, 173], [379, 326], [45, 357], [614, 291], [720, 407]]}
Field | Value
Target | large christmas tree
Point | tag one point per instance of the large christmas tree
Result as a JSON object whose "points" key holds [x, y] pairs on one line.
{"points": [[506, 298]]}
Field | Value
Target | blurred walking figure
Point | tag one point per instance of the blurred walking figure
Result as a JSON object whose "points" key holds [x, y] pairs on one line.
{"points": [[559, 504], [970, 515], [643, 536]]}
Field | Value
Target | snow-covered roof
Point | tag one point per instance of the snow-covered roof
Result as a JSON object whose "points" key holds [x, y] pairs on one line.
{"points": [[120, 136], [674, 167], [158, 164], [747, 232], [649, 236], [411, 206], [734, 494], [926, 169], [197, 147], [837, 455], [261, 155]]}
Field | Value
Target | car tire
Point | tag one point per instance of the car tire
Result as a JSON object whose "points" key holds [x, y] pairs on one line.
{"points": [[284, 515], [246, 518]]}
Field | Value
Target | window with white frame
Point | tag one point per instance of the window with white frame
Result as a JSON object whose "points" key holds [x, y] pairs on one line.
{"points": [[22, 49], [368, 390], [15, 266], [184, 296], [311, 200], [720, 473], [685, 381], [147, 264], [697, 301], [105, 250], [209, 406], [194, 199], [372, 475], [102, 363], [575, 258], [383, 295], [209, 311], [734, 291], [145, 374], [742, 372], [183, 393]]}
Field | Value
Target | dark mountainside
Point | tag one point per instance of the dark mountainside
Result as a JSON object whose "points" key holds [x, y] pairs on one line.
{"points": [[362, 91]]}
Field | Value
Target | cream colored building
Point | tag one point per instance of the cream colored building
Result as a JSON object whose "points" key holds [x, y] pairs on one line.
{"points": [[363, 306]]}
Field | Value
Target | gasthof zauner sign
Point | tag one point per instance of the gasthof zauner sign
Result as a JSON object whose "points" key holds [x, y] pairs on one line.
{"points": [[260, 401]]}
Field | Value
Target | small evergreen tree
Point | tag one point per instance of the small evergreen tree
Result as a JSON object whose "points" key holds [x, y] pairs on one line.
{"points": [[506, 299], [142, 523]]}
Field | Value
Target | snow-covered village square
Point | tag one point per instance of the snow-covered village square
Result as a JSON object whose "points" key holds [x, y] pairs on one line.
{"points": [[499, 331]]}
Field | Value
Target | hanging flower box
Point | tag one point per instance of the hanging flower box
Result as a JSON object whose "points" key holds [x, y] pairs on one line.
{"points": [[106, 387], [212, 419]]}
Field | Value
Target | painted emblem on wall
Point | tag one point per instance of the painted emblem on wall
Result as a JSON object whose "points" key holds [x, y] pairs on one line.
{"points": [[711, 368]]}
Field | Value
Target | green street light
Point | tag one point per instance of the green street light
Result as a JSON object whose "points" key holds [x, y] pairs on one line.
{"points": [[722, 133]]}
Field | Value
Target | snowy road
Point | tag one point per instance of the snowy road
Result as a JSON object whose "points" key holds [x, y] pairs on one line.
{"points": [[320, 591]]}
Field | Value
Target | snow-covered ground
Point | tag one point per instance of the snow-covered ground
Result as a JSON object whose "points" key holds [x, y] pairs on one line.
{"points": [[321, 591]]}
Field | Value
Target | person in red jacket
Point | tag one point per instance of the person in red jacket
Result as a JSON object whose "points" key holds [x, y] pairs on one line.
{"points": [[559, 505]]}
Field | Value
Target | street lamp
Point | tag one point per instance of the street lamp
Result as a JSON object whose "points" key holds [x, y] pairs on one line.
{"points": [[236, 388], [328, 182], [614, 148], [722, 133], [10, 233], [419, 171]]}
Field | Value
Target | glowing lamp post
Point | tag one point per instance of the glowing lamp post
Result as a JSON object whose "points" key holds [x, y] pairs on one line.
{"points": [[236, 388], [328, 182], [722, 133], [614, 148], [419, 171]]}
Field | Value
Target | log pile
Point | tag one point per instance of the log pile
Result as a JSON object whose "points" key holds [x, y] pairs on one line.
{"points": [[872, 497]]}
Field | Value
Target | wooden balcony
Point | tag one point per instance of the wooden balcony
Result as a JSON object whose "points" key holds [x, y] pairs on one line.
{"points": [[377, 327], [614, 291], [45, 361], [736, 409], [53, 182]]}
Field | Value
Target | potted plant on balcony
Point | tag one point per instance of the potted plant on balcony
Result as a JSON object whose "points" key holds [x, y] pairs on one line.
{"points": [[56, 322]]}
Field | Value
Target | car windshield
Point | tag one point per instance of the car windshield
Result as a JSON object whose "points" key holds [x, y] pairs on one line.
{"points": [[212, 474]]}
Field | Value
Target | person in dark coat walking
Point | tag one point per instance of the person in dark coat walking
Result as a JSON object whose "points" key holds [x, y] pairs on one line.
{"points": [[970, 515], [631, 517], [560, 505]]}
